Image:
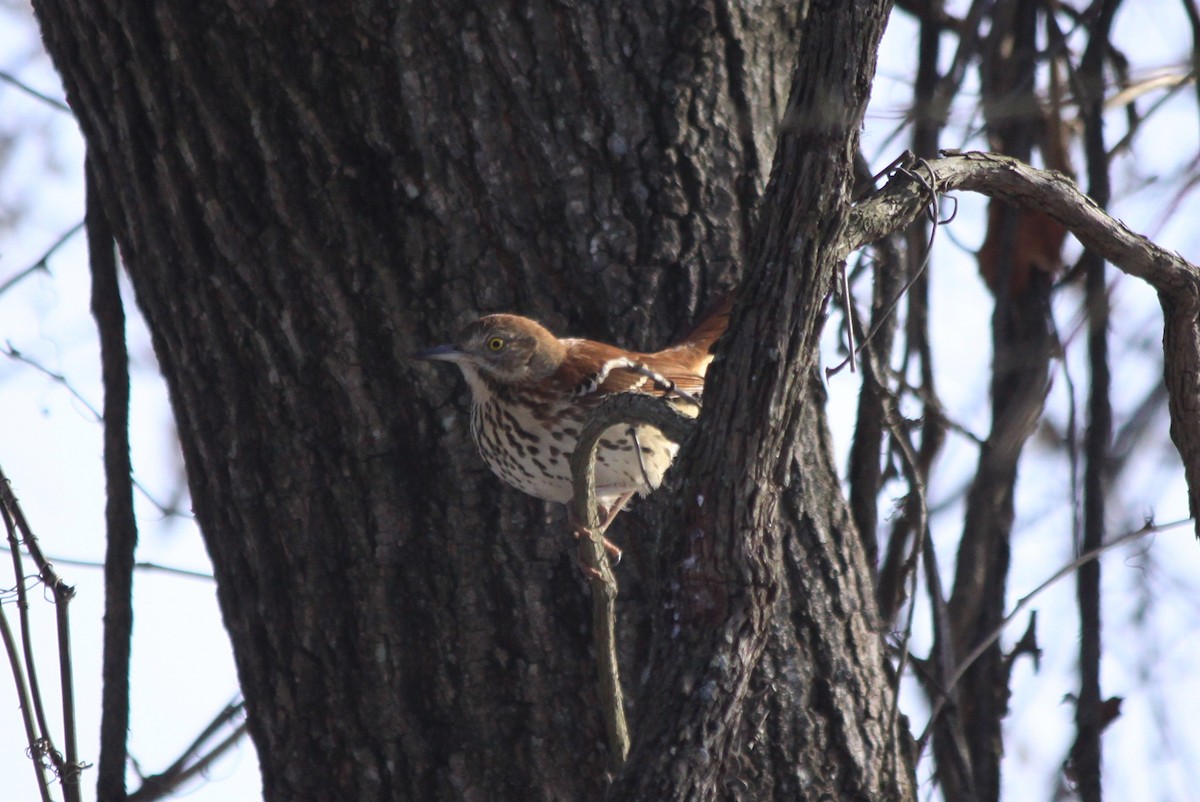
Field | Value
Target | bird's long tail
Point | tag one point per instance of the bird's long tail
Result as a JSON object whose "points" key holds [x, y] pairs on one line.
{"points": [[694, 350], [710, 328]]}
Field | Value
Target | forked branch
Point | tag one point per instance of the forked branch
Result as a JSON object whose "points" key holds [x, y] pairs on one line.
{"points": [[41, 745]]}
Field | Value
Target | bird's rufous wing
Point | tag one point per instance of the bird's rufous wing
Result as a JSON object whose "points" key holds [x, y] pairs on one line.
{"points": [[596, 368]]}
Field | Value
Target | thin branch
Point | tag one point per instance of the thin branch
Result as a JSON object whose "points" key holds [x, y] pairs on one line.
{"points": [[865, 473], [848, 304], [913, 277], [72, 767], [138, 566], [905, 197], [150, 792], [17, 83], [12, 353], [23, 701], [15, 355], [933, 406], [120, 521], [1193, 15], [12, 524], [914, 471], [41, 263], [915, 507], [1173, 84], [1025, 601], [67, 769], [10, 507], [226, 715], [944, 647], [1133, 429], [166, 783]]}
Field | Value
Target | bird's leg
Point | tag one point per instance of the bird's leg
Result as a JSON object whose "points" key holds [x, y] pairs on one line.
{"points": [[610, 514]]}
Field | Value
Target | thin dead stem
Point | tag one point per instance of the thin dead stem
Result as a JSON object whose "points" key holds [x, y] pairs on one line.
{"points": [[1025, 601], [41, 745]]}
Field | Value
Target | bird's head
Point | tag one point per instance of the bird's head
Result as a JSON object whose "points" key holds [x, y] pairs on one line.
{"points": [[506, 349]]}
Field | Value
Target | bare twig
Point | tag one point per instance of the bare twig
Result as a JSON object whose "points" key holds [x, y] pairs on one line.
{"points": [[16, 82], [865, 471], [943, 645], [138, 566], [23, 701], [848, 302], [72, 767], [40, 264], [35, 691], [915, 507], [12, 353], [933, 406], [904, 168], [193, 761], [163, 787], [1173, 84], [19, 533], [1025, 601], [1193, 15]]}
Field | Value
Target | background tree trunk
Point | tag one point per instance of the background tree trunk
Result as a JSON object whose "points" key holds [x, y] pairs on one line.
{"points": [[305, 194]]}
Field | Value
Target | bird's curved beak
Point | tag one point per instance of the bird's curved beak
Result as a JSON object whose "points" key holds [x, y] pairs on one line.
{"points": [[441, 353]]}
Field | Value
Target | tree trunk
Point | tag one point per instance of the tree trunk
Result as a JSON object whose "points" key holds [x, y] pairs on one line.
{"points": [[305, 193], [769, 679]]}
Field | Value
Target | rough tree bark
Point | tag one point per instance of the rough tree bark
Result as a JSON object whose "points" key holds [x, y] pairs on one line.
{"points": [[304, 193]]}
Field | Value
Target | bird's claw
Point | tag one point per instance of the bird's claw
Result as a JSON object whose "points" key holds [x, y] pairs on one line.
{"points": [[583, 535]]}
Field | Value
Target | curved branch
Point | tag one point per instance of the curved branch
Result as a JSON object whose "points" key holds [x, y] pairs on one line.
{"points": [[1176, 280], [625, 408], [906, 195]]}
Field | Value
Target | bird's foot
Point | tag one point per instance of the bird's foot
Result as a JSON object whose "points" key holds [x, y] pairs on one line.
{"points": [[585, 536]]}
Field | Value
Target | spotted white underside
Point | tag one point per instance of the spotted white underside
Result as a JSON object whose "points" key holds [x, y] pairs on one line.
{"points": [[531, 449]]}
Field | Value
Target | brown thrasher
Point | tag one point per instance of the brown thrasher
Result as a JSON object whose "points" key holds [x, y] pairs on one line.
{"points": [[531, 393]]}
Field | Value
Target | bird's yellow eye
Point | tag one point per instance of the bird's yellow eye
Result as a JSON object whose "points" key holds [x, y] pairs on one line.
{"points": [[495, 344]]}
